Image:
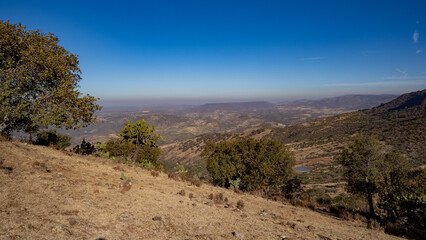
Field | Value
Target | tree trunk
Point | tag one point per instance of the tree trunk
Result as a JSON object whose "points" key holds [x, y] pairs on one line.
{"points": [[371, 213], [135, 154]]}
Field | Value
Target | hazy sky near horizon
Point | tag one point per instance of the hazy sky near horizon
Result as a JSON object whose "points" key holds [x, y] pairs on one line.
{"points": [[236, 50]]}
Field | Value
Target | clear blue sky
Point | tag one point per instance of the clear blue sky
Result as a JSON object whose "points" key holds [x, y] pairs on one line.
{"points": [[236, 50]]}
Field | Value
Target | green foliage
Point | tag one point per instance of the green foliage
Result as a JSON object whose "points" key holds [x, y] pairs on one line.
{"points": [[123, 177], [235, 184], [292, 186], [370, 170], [50, 137], [402, 195], [257, 163], [139, 133], [180, 169], [137, 144], [116, 148], [38, 83], [361, 164], [85, 148]]}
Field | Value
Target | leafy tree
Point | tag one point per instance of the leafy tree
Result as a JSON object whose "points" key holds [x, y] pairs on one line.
{"points": [[51, 137], [402, 195], [362, 162], [38, 83], [252, 163], [143, 137]]}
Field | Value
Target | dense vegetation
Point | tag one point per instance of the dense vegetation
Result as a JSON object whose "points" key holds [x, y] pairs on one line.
{"points": [[38, 83], [371, 170], [249, 164]]}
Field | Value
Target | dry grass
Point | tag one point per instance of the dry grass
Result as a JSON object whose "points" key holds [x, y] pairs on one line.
{"points": [[80, 198]]}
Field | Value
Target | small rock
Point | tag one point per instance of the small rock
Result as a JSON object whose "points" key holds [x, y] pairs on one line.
{"points": [[96, 191], [72, 221], [243, 216], [124, 218], [310, 228], [209, 203], [295, 226], [282, 236], [323, 237], [182, 192], [204, 236], [59, 175], [126, 186], [156, 218], [238, 235], [57, 228]]}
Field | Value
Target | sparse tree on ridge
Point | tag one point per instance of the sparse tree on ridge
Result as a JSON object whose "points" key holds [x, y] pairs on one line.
{"points": [[362, 162], [38, 83], [140, 134]]}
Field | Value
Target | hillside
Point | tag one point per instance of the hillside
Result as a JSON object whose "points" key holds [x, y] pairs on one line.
{"points": [[400, 123], [348, 102], [47, 194]]}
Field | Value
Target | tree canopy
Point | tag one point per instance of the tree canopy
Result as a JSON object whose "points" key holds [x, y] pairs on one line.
{"points": [[39, 83], [250, 163], [143, 137]]}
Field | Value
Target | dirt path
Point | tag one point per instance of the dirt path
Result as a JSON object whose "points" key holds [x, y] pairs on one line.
{"points": [[47, 194]]}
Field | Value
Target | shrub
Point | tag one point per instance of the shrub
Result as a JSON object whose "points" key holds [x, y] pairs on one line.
{"points": [[51, 137], [256, 163]]}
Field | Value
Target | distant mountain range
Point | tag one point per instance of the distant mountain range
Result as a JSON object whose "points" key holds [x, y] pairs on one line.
{"points": [[182, 122], [400, 123], [350, 102], [233, 107]]}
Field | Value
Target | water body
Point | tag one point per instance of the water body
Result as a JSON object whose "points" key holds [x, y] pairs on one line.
{"points": [[302, 169]]}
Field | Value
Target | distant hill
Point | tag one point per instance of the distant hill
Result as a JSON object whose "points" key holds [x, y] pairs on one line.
{"points": [[400, 123], [235, 107], [349, 102]]}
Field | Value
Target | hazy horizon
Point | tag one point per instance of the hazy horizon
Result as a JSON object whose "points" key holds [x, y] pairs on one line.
{"points": [[181, 52], [114, 103]]}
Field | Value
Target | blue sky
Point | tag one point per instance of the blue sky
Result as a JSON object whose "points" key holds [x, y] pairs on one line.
{"points": [[179, 51]]}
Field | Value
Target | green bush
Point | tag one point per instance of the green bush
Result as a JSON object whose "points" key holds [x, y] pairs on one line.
{"points": [[51, 137], [257, 163]]}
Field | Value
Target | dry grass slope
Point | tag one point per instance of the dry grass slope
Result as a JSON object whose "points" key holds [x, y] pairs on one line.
{"points": [[47, 194]]}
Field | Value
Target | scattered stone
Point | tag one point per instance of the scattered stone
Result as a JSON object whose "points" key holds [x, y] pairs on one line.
{"points": [[58, 175], [156, 218], [210, 203], [57, 228], [204, 236], [244, 216], [124, 217], [125, 185], [323, 237], [72, 221], [238, 235], [182, 192], [295, 226], [282, 236], [180, 201], [310, 228]]}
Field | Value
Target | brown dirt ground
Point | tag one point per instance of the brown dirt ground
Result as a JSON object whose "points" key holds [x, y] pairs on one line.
{"points": [[48, 194]]}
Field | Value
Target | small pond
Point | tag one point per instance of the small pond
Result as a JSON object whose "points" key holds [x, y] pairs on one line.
{"points": [[302, 169]]}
